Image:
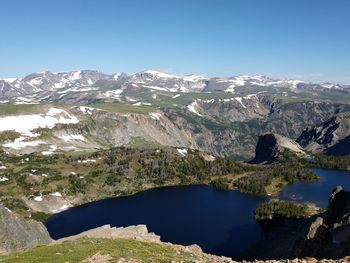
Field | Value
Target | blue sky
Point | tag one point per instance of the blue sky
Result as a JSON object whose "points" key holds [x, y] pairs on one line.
{"points": [[305, 39]]}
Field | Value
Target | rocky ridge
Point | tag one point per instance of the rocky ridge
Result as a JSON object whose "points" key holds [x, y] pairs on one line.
{"points": [[331, 137]]}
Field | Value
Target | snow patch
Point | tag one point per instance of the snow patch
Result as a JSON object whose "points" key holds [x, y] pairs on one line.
{"points": [[113, 93], [155, 115], [239, 99], [87, 161], [192, 108], [53, 148], [19, 143], [86, 110], [72, 137], [250, 96], [183, 152], [159, 74], [192, 78], [209, 101], [130, 99], [155, 88], [26, 123], [47, 152], [38, 198], [3, 179], [9, 80], [75, 75]]}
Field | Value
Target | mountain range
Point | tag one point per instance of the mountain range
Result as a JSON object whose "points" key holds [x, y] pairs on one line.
{"points": [[85, 109], [91, 85]]}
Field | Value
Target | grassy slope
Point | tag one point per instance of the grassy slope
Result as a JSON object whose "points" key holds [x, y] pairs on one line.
{"points": [[79, 250], [9, 109], [124, 108], [12, 109]]}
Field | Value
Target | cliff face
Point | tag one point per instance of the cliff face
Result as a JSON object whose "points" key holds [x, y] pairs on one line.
{"points": [[331, 137], [271, 145], [222, 127], [329, 235], [322, 236], [17, 233]]}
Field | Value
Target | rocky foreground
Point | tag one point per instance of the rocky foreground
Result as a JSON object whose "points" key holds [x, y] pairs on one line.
{"points": [[321, 238], [17, 233]]}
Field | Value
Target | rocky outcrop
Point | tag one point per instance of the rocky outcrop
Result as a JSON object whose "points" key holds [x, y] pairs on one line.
{"points": [[331, 137], [271, 145], [325, 235], [17, 233], [138, 232]]}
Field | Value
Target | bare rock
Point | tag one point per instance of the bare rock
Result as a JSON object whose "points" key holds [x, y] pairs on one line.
{"points": [[17, 233], [314, 227], [271, 145]]}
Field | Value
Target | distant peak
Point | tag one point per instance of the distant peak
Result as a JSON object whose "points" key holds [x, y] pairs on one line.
{"points": [[158, 74]]}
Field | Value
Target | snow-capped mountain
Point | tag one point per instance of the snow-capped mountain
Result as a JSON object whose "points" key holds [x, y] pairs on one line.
{"points": [[87, 85], [166, 82], [253, 80]]}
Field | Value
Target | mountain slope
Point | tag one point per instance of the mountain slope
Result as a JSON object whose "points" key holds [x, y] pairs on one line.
{"points": [[221, 127], [331, 137]]}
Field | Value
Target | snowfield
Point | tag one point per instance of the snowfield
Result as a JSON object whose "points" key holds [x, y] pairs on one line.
{"points": [[26, 123]]}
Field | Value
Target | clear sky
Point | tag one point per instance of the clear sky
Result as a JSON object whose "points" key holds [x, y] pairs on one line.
{"points": [[305, 39]]}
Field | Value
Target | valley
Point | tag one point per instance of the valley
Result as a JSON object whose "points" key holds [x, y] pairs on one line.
{"points": [[165, 131], [76, 139]]}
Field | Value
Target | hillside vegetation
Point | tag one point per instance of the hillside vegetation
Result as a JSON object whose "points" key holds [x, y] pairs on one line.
{"points": [[283, 209], [47, 183], [109, 250]]}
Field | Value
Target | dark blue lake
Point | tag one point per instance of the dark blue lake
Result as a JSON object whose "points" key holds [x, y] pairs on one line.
{"points": [[221, 222], [317, 192]]}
